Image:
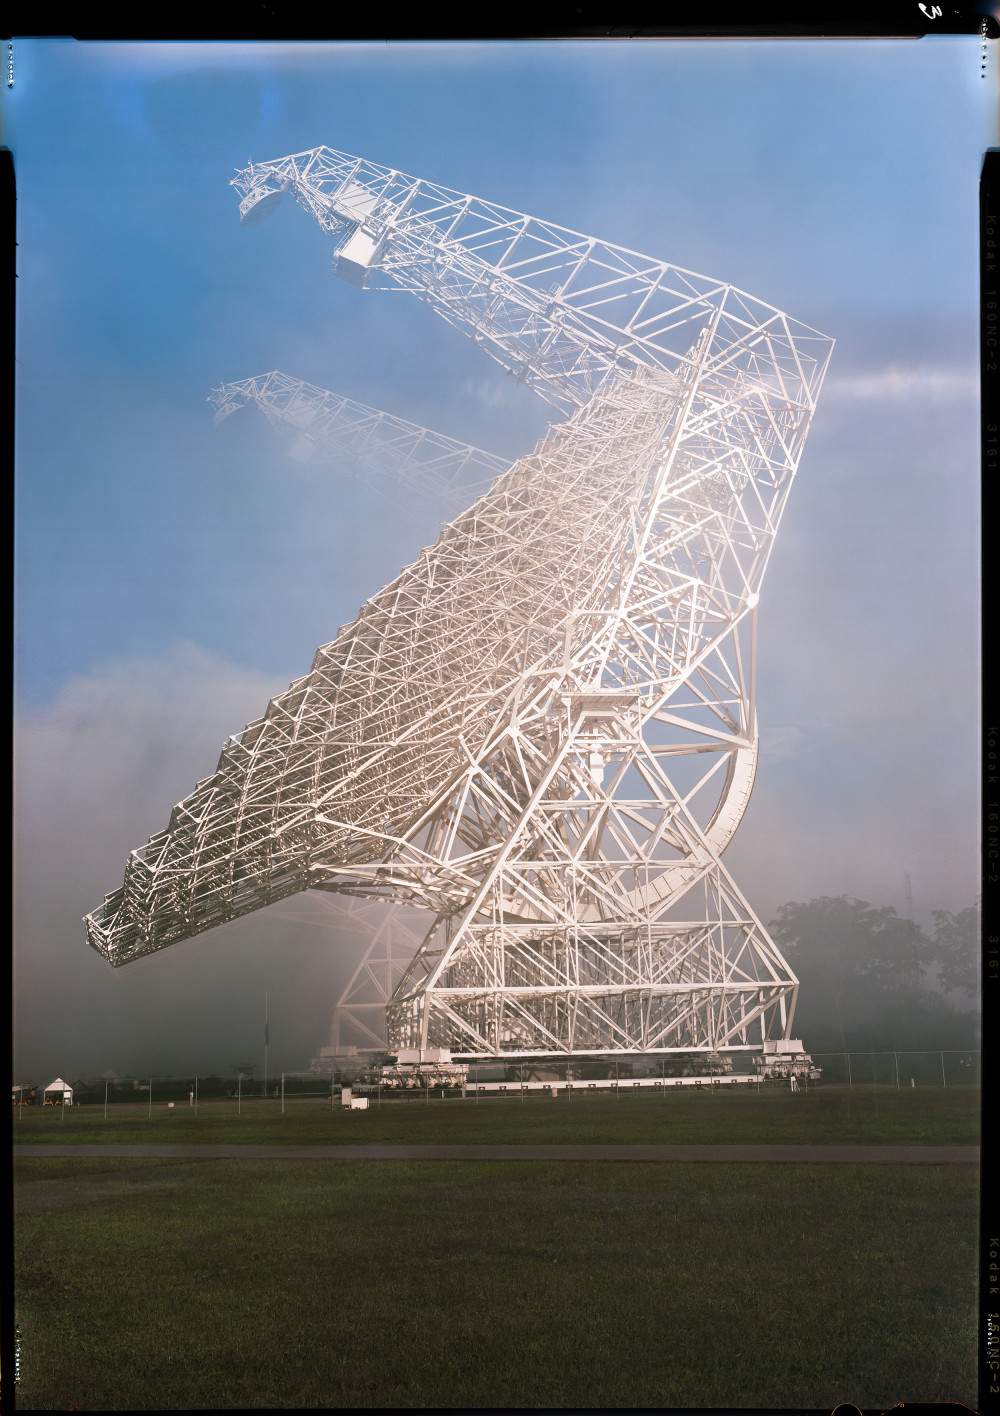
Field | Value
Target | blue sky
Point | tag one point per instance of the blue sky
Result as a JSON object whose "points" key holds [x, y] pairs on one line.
{"points": [[171, 575]]}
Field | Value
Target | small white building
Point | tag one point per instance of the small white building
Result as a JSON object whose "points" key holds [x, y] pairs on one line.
{"points": [[58, 1092]]}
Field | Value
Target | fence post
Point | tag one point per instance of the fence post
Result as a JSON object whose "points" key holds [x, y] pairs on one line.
{"points": [[944, 1081], [895, 1058], [850, 1083]]}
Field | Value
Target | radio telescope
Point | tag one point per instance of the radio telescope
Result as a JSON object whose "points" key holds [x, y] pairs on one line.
{"points": [[543, 731]]}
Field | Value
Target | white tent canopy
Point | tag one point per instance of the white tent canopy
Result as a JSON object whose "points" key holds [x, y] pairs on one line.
{"points": [[62, 1089]]}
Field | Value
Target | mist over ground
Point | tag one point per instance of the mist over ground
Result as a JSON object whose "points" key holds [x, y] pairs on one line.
{"points": [[172, 576]]}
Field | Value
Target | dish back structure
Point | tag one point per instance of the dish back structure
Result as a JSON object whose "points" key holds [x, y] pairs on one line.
{"points": [[543, 731]]}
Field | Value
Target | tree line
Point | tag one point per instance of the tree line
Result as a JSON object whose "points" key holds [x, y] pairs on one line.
{"points": [[873, 981]]}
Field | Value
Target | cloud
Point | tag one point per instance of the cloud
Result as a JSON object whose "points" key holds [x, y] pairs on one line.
{"points": [[98, 771], [918, 384], [140, 730]]}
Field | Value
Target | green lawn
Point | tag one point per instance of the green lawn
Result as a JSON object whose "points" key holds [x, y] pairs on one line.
{"points": [[226, 1284], [825, 1116]]}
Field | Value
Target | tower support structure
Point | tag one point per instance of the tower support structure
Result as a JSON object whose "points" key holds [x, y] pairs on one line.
{"points": [[544, 731]]}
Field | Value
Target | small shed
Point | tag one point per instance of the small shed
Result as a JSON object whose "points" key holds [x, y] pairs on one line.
{"points": [[58, 1092]]}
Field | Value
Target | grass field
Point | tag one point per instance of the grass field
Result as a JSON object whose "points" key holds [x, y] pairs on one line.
{"points": [[931, 1116], [179, 1284]]}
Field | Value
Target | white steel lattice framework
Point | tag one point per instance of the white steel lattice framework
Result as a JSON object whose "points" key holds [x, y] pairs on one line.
{"points": [[390, 939], [359, 1016], [394, 454], [544, 729]]}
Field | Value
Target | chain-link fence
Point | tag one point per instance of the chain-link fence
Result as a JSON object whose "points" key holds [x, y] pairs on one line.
{"points": [[900, 1069], [897, 1070], [189, 1091]]}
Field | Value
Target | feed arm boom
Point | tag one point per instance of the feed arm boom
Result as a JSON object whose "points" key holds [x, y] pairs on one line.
{"points": [[398, 454], [561, 311]]}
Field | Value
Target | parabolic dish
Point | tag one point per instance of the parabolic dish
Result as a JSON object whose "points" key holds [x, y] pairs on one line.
{"points": [[261, 208]]}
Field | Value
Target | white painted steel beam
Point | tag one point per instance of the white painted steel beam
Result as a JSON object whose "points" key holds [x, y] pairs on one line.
{"points": [[543, 730], [322, 427]]}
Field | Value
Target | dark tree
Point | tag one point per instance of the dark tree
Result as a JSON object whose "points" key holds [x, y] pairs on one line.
{"points": [[867, 978], [957, 949]]}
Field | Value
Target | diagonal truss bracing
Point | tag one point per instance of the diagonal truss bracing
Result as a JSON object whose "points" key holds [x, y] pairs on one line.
{"points": [[560, 310], [392, 452], [544, 729]]}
